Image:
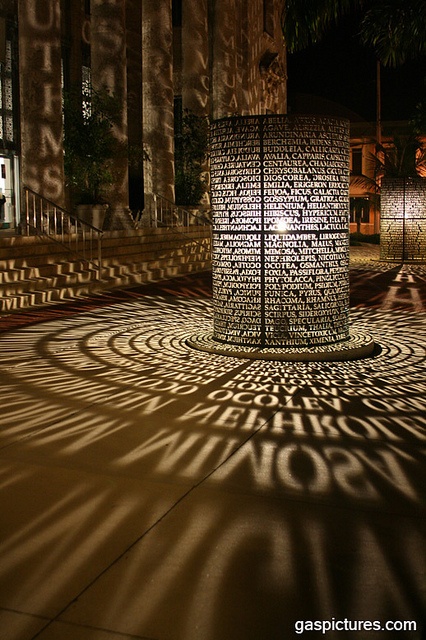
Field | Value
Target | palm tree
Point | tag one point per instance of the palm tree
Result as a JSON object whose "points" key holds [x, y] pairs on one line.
{"points": [[305, 22], [396, 29], [405, 158]]}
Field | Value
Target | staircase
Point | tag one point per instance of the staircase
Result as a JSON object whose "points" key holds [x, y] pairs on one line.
{"points": [[36, 271], [64, 258], [46, 219]]}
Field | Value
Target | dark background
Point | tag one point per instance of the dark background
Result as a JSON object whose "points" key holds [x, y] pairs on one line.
{"points": [[342, 70]]}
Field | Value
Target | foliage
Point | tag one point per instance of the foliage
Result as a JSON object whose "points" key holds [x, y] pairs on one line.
{"points": [[191, 148], [406, 157], [306, 21], [418, 121], [396, 29], [90, 145]]}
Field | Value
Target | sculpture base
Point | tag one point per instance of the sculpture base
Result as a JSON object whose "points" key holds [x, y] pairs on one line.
{"points": [[358, 345]]}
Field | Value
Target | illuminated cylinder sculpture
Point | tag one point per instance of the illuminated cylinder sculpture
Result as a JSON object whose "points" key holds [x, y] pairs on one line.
{"points": [[403, 219], [280, 199]]}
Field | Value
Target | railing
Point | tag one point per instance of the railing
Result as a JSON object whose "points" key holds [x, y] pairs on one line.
{"points": [[164, 213], [46, 218]]}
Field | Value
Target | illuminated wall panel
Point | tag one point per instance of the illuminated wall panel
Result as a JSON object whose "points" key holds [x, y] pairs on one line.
{"points": [[280, 202], [403, 219], [42, 155]]}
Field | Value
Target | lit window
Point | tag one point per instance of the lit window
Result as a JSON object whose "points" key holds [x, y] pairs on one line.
{"points": [[360, 210]]}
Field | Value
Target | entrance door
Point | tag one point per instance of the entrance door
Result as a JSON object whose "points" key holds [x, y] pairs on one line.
{"points": [[6, 188]]}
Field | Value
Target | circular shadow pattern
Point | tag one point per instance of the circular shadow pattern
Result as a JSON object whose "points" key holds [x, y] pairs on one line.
{"points": [[150, 336]]}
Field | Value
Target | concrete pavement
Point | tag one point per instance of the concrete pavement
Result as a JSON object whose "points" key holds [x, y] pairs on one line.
{"points": [[152, 491]]}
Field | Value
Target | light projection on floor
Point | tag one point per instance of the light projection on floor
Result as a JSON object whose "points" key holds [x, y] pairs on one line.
{"points": [[403, 220], [279, 190], [148, 370], [301, 483]]}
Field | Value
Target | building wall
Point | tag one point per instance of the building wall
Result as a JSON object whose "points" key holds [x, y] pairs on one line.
{"points": [[218, 57], [40, 97], [364, 186], [366, 177], [109, 71], [226, 61]]}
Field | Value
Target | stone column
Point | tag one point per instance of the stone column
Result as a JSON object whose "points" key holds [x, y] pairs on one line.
{"points": [[134, 103], [42, 167], [195, 58], [77, 30], [157, 88], [109, 71], [224, 60], [272, 62]]}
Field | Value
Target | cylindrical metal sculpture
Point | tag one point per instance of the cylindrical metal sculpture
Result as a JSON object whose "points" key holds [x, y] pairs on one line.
{"points": [[403, 220], [279, 188], [280, 199]]}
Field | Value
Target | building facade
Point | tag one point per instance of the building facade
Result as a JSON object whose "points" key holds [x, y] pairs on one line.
{"points": [[364, 191], [369, 166], [159, 58]]}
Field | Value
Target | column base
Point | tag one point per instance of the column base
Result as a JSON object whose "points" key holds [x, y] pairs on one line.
{"points": [[358, 345]]}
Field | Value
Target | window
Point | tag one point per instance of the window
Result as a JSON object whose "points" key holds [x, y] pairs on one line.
{"points": [[268, 17], [360, 210], [178, 112], [357, 162], [6, 98], [86, 91], [177, 13]]}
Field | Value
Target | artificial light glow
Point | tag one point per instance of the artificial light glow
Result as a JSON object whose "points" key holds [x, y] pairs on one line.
{"points": [[282, 225]]}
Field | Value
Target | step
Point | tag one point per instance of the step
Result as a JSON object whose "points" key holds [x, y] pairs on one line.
{"points": [[34, 271], [54, 295]]}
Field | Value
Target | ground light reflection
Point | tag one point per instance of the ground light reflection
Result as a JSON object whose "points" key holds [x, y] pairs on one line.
{"points": [[154, 491]]}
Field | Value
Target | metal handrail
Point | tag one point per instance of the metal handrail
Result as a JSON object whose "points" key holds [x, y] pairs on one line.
{"points": [[46, 218], [168, 214]]}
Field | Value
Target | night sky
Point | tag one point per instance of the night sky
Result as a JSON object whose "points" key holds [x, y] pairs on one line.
{"points": [[340, 69]]}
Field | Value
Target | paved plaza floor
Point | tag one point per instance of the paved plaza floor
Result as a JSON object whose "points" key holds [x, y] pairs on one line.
{"points": [[152, 491]]}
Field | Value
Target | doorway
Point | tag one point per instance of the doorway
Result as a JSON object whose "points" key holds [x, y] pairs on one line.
{"points": [[8, 166]]}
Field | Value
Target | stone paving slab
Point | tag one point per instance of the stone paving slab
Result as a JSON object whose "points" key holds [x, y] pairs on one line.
{"points": [[150, 490]]}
